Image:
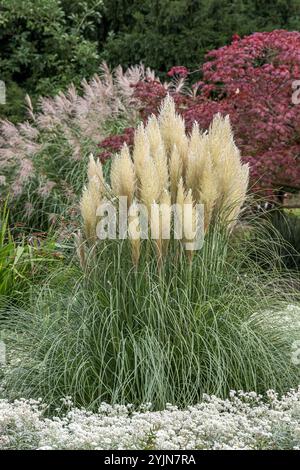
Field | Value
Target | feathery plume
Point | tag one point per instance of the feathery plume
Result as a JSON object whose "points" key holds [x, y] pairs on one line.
{"points": [[149, 186], [157, 151], [200, 175], [172, 129], [122, 175], [75, 118], [141, 151], [232, 176], [95, 170], [88, 208]]}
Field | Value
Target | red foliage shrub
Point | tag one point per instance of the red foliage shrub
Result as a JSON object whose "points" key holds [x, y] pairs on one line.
{"points": [[149, 94], [114, 143], [251, 80], [178, 70]]}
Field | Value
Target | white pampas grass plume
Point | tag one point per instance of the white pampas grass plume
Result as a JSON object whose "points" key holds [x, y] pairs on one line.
{"points": [[220, 134], [233, 183], [172, 128], [122, 175], [141, 150], [157, 151], [198, 157], [200, 174], [208, 192], [91, 198], [95, 171], [161, 164], [232, 176], [149, 184], [88, 208], [153, 133]]}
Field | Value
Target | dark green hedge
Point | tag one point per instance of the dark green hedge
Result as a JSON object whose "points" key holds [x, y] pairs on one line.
{"points": [[163, 33], [44, 45]]}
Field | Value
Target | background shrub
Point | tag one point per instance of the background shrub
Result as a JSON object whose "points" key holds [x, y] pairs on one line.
{"points": [[45, 45], [286, 227], [164, 33]]}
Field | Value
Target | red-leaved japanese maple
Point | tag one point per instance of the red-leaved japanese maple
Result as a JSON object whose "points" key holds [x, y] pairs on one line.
{"points": [[251, 79]]}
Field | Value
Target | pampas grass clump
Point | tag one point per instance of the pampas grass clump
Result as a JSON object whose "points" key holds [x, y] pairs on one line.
{"points": [[117, 329]]}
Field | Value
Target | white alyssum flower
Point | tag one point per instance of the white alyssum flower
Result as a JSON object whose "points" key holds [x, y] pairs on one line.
{"points": [[242, 421]]}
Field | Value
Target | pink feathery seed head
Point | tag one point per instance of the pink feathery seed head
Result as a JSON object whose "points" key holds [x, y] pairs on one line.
{"points": [[30, 148], [9, 130], [28, 131], [2, 180], [46, 188], [28, 209], [16, 189], [7, 157], [12, 138], [26, 169]]}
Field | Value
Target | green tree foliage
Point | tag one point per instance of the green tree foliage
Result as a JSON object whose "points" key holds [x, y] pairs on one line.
{"points": [[163, 33], [46, 44]]}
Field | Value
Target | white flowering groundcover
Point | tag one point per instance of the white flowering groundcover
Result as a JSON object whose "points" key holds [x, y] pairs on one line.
{"points": [[243, 421]]}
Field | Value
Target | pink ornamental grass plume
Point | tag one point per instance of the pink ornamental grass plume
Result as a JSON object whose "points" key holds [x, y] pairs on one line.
{"points": [[66, 128]]}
